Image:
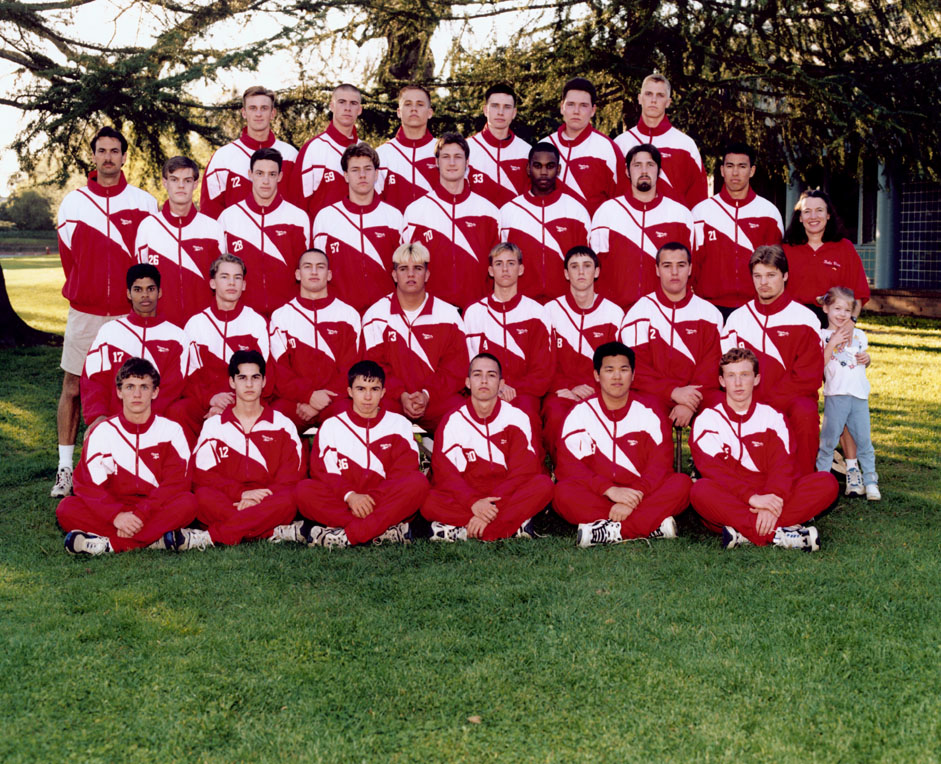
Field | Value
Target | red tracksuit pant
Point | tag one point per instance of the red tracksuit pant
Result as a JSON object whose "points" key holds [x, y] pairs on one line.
{"points": [[396, 499], [554, 411], [803, 421], [228, 525]]}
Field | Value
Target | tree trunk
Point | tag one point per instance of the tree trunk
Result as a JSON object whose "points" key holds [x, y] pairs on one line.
{"points": [[14, 331]]}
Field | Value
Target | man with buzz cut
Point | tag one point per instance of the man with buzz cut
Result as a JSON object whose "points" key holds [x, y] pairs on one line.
{"points": [[407, 167], [317, 180], [228, 174], [132, 486], [545, 223], [592, 166], [459, 226], [181, 242], [498, 172], [487, 481], [627, 232], [728, 227], [683, 177], [750, 489], [247, 461], [313, 338], [615, 461], [97, 227], [359, 233], [365, 482]]}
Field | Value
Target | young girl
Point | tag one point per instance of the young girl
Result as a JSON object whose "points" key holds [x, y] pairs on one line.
{"points": [[846, 389]]}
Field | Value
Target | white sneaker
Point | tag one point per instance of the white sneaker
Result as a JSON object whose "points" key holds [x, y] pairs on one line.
{"points": [[872, 492], [193, 538], [599, 532], [400, 533], [667, 530], [526, 530], [797, 537], [445, 532], [292, 532], [334, 538], [80, 542], [63, 485], [731, 538], [839, 463], [854, 482]]}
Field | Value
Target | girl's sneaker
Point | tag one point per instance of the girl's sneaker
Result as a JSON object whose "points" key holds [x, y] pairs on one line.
{"points": [[872, 492], [854, 482]]}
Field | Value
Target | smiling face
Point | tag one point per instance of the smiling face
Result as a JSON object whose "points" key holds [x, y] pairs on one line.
{"points": [[483, 379], [839, 312], [814, 216], [108, 158]]}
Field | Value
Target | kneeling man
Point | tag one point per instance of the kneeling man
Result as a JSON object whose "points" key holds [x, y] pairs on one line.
{"points": [[615, 461], [749, 487], [487, 481]]}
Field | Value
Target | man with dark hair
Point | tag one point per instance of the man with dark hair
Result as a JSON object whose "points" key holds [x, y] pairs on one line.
{"points": [[545, 223], [228, 173], [247, 461], [181, 242], [359, 233], [750, 489], [459, 226], [317, 180], [683, 177], [498, 172], [268, 233], [615, 461], [487, 481], [132, 488], [728, 228], [365, 482], [785, 337], [407, 166], [592, 166], [97, 227], [675, 336], [626, 232]]}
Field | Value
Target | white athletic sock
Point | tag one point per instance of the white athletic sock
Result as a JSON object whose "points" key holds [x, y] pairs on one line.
{"points": [[851, 463], [66, 453]]}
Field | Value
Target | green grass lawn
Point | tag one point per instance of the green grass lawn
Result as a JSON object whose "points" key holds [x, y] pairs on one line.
{"points": [[34, 285], [511, 652]]}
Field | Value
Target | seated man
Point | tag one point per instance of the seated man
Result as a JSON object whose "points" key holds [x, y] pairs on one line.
{"points": [[419, 342], [364, 468], [140, 334], [487, 481], [247, 461], [132, 489], [675, 337], [750, 487], [313, 337], [615, 461]]}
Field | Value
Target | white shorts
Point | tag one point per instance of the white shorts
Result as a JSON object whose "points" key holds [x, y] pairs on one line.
{"points": [[80, 332]]}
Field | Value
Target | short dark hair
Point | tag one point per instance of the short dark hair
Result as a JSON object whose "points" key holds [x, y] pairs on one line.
{"points": [[674, 246], [610, 349], [315, 250], [768, 254], [266, 153], [246, 356], [225, 257], [361, 149], [142, 271], [109, 132], [367, 370], [413, 87], [580, 83], [738, 354], [489, 356], [795, 235], [346, 86], [578, 251], [137, 367], [505, 246], [179, 163], [546, 146], [738, 147], [260, 90], [649, 148], [448, 139], [500, 88]]}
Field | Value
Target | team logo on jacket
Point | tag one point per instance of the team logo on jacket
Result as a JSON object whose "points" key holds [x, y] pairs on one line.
{"points": [[660, 234], [632, 442], [597, 335], [583, 166], [125, 221], [470, 224], [332, 331], [427, 336], [267, 438], [753, 225], [783, 332], [161, 349], [690, 331], [756, 443], [280, 233], [197, 248], [561, 228], [385, 446], [379, 234], [520, 330], [244, 347]]}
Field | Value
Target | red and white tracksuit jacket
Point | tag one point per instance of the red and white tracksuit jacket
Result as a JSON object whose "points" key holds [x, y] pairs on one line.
{"points": [[497, 168], [743, 454], [228, 461], [429, 354], [475, 458], [182, 249], [360, 241], [270, 241], [97, 227], [785, 337], [377, 457], [317, 180], [675, 344], [626, 234], [407, 169], [227, 179], [592, 166], [544, 228], [459, 231], [630, 447], [812, 272], [127, 467], [682, 176], [154, 339], [726, 233]]}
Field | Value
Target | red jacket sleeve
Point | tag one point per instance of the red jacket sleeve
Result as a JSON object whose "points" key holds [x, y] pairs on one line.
{"points": [[174, 478], [448, 378], [324, 468], [446, 475], [540, 364]]}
